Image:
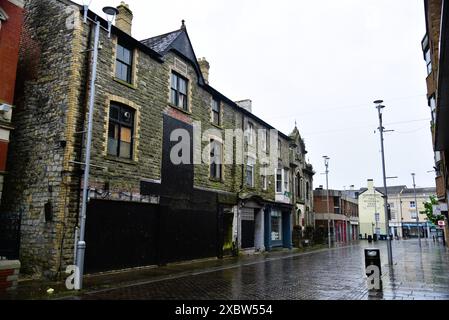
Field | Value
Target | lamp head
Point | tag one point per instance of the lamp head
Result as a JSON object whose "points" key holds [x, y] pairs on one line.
{"points": [[111, 13], [378, 101]]}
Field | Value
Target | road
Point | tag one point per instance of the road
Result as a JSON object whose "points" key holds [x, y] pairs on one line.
{"points": [[337, 274]]}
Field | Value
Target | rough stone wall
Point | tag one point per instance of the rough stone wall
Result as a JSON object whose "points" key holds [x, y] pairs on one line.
{"points": [[253, 150], [51, 113], [147, 95], [36, 159]]}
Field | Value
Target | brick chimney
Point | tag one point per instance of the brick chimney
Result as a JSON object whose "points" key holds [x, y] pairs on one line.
{"points": [[124, 20], [204, 66]]}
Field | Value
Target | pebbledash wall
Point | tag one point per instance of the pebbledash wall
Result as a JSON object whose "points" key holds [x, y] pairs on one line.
{"points": [[45, 177]]}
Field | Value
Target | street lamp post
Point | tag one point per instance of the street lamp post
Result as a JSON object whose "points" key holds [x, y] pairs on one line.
{"points": [[379, 107], [326, 164], [417, 212], [81, 245]]}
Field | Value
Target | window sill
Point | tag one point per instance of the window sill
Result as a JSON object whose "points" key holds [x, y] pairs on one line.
{"points": [[121, 160], [217, 126], [126, 84], [180, 109], [216, 180]]}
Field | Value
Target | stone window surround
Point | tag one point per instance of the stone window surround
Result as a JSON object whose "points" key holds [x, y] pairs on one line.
{"points": [[136, 130], [264, 176], [172, 69], [134, 67], [250, 129], [221, 107], [253, 157], [220, 140]]}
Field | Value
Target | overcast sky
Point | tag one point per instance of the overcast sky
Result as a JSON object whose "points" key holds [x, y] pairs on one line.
{"points": [[321, 63]]}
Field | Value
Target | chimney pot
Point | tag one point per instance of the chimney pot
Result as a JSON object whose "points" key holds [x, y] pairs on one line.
{"points": [[204, 67], [124, 18]]}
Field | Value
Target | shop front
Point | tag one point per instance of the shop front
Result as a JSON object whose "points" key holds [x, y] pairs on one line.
{"points": [[278, 228]]}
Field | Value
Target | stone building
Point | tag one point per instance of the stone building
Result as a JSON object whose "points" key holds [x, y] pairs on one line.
{"points": [[402, 206], [11, 12], [303, 173], [403, 211], [178, 170], [372, 211]]}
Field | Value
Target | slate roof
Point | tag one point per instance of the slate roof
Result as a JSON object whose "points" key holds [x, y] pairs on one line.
{"points": [[390, 189], [431, 190], [179, 41], [161, 44]]}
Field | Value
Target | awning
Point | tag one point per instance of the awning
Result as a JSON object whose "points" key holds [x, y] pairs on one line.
{"points": [[413, 225]]}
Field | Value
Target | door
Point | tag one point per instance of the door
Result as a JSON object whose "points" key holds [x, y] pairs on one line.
{"points": [[248, 228]]}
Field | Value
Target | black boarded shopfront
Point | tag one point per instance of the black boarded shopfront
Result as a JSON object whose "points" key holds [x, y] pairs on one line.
{"points": [[186, 224]]}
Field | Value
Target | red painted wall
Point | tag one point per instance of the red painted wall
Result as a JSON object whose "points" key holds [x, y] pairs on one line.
{"points": [[3, 153], [9, 49]]}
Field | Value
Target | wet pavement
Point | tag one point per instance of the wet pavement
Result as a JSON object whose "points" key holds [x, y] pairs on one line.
{"points": [[419, 273]]}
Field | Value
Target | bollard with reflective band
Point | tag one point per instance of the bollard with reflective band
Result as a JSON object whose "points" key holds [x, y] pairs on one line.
{"points": [[373, 268]]}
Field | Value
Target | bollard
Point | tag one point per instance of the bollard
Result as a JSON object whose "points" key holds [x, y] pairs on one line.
{"points": [[373, 269]]}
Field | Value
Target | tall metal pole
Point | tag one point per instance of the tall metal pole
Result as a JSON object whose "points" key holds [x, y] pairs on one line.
{"points": [[417, 212], [326, 163], [381, 129], [81, 246]]}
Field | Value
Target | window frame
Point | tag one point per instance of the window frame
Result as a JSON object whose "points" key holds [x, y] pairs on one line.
{"points": [[121, 124], [213, 165], [250, 163], [298, 186], [428, 59], [216, 102], [250, 133], [264, 178], [425, 43], [307, 187], [276, 215], [129, 75], [177, 91], [432, 106], [279, 182], [286, 181]]}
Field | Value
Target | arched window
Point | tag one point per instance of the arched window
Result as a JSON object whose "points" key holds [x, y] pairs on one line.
{"points": [[307, 190], [298, 186]]}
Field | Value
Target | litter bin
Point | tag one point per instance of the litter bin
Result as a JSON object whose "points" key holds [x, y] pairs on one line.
{"points": [[370, 239], [372, 257], [375, 237]]}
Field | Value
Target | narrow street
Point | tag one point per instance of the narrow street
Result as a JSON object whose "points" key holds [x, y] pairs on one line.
{"points": [[337, 274]]}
